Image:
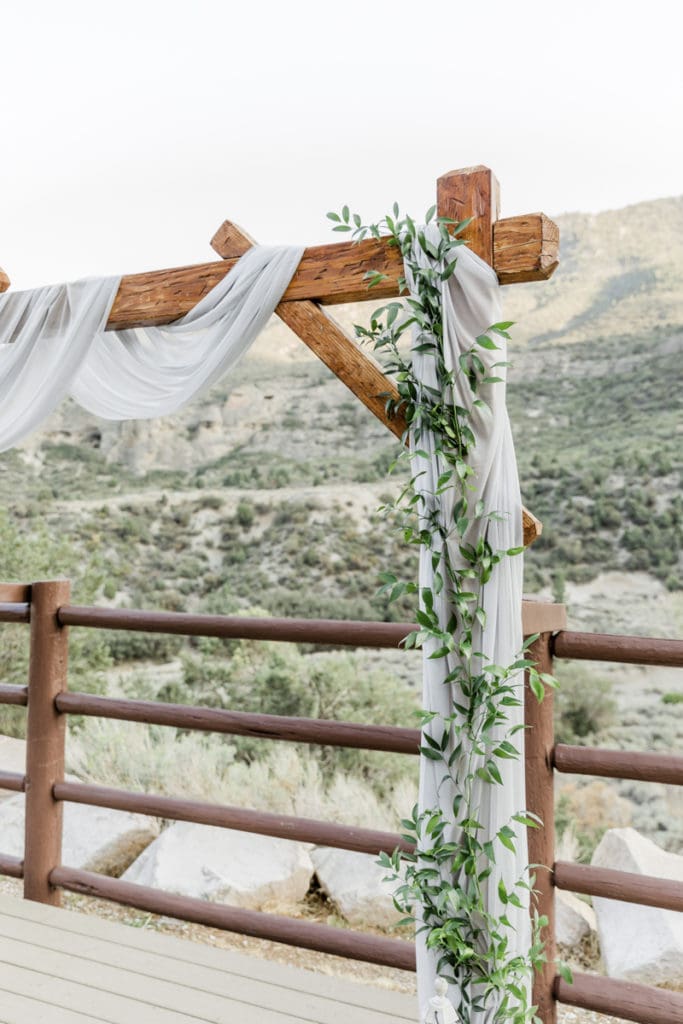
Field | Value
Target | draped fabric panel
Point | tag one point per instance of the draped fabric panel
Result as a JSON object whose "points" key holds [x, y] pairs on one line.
{"points": [[53, 345], [470, 305]]}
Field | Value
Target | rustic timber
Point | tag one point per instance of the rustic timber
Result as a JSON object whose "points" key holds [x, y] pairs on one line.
{"points": [[623, 999], [619, 764], [4, 281], [355, 368], [45, 735], [283, 826], [292, 932], [538, 741], [472, 192], [323, 335], [627, 886], [524, 249]]}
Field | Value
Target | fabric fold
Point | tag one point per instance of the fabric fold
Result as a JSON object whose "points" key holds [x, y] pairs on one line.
{"points": [[53, 345]]}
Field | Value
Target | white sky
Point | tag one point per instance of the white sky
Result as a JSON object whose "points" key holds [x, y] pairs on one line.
{"points": [[131, 130]]}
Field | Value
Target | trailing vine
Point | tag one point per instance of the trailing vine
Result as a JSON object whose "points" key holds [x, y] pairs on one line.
{"points": [[441, 885]]}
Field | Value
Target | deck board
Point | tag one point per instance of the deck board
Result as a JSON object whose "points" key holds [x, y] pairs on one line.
{"points": [[60, 967]]}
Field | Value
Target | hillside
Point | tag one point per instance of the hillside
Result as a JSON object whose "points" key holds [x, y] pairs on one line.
{"points": [[264, 494]]}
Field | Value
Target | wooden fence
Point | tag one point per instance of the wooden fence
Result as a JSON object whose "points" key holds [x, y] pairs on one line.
{"points": [[46, 607]]}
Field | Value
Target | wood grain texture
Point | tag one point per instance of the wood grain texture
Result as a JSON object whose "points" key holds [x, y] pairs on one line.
{"points": [[4, 281], [330, 274], [471, 192]]}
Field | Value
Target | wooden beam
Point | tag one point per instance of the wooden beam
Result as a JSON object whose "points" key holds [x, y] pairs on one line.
{"points": [[355, 368], [323, 335], [4, 281], [524, 249], [472, 192]]}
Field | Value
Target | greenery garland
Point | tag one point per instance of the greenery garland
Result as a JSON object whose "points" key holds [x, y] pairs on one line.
{"points": [[441, 884]]}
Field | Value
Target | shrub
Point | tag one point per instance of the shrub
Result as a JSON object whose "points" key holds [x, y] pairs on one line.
{"points": [[584, 706]]}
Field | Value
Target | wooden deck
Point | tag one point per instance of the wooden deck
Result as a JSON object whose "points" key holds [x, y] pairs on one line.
{"points": [[60, 967]]}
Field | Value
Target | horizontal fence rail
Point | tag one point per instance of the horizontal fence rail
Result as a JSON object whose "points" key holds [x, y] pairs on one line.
{"points": [[239, 627], [619, 764], [305, 830], [388, 738], [17, 695], [324, 938], [631, 650], [13, 867], [11, 611], [13, 781], [627, 886], [623, 999]]}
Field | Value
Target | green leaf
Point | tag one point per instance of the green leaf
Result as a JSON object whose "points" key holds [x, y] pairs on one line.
{"points": [[565, 972], [485, 342]]}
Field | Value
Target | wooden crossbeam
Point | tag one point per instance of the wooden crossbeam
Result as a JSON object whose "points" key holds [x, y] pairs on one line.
{"points": [[524, 249], [356, 369]]}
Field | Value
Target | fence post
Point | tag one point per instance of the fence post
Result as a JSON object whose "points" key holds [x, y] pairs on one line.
{"points": [[45, 736], [540, 800]]}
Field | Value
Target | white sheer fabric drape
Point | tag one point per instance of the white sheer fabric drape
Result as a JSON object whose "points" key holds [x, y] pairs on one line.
{"points": [[53, 345], [471, 304]]}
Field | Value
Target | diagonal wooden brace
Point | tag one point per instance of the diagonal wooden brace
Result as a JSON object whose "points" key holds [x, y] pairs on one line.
{"points": [[357, 370]]}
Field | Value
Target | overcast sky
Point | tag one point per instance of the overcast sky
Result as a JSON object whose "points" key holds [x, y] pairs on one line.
{"points": [[131, 130]]}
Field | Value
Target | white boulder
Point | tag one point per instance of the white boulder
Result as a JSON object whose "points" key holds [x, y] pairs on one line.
{"points": [[238, 868], [94, 838], [12, 759], [355, 882], [574, 920], [643, 944]]}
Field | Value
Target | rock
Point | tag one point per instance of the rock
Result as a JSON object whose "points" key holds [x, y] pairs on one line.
{"points": [[12, 759], [239, 868], [643, 944], [355, 882], [574, 920], [95, 838]]}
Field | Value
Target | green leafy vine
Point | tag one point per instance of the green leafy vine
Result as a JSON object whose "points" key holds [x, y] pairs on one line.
{"points": [[442, 885]]}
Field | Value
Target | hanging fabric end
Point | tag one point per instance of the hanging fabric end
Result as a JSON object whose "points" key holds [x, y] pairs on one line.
{"points": [[439, 1009]]}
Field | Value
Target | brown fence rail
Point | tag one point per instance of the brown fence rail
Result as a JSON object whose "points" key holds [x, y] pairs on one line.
{"points": [[329, 732], [623, 999], [631, 650], [324, 938], [46, 607], [305, 830], [619, 764]]}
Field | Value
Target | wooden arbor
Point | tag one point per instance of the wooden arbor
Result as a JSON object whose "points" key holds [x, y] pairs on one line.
{"points": [[518, 248]]}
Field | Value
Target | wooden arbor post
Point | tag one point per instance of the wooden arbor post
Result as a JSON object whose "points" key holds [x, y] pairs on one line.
{"points": [[45, 735]]}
